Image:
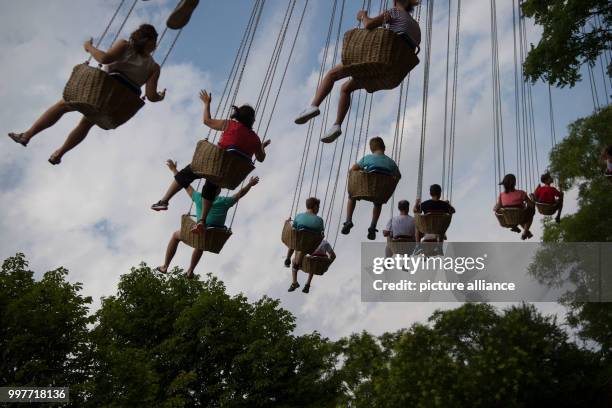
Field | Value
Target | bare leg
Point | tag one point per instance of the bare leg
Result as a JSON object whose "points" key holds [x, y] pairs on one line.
{"points": [[195, 258], [47, 119], [170, 251], [559, 208], [344, 102], [172, 190], [290, 252], [376, 210], [327, 83], [350, 209], [310, 275], [78, 134]]}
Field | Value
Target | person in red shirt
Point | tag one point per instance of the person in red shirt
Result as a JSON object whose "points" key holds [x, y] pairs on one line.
{"points": [[238, 134], [547, 194]]}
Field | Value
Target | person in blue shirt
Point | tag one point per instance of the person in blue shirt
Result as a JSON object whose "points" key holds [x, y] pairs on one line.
{"points": [[310, 221], [215, 218], [377, 161]]}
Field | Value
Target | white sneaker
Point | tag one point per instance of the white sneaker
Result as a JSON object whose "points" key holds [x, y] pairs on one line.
{"points": [[307, 114], [332, 134]]}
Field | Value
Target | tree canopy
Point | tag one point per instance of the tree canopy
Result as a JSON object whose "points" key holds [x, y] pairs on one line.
{"points": [[574, 32]]}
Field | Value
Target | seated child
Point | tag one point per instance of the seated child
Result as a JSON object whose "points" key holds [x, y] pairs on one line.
{"points": [[547, 194]]}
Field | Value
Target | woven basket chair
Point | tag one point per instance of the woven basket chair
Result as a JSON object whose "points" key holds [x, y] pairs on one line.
{"points": [[375, 187], [433, 223], [377, 59], [212, 241], [513, 216], [316, 265], [300, 240], [219, 166], [502, 220], [101, 99], [401, 246], [546, 209]]}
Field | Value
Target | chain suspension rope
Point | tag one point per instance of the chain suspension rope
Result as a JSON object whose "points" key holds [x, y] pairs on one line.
{"points": [[426, 69], [498, 133], [453, 121], [110, 23]]}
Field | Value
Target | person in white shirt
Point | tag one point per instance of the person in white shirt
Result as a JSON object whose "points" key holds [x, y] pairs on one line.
{"points": [[323, 250], [401, 227]]}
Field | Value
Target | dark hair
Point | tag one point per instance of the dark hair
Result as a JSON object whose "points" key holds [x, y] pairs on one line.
{"points": [[140, 37], [403, 205], [376, 143], [407, 5], [546, 177], [312, 202], [435, 190], [509, 183], [244, 114]]}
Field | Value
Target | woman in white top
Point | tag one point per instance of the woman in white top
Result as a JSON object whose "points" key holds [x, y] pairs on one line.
{"points": [[130, 62], [398, 20]]}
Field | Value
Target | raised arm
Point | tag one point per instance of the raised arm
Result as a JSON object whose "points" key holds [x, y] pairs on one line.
{"points": [[216, 124], [106, 57], [417, 206], [151, 87], [498, 204], [243, 191], [172, 166], [370, 23], [261, 154]]}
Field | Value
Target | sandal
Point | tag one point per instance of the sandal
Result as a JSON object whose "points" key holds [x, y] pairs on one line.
{"points": [[160, 269], [18, 138], [160, 206], [346, 227], [54, 160], [293, 287], [306, 289]]}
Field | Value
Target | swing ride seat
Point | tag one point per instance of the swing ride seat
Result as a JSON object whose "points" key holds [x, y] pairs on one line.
{"points": [[300, 240], [513, 216], [401, 245], [374, 186], [225, 168], [433, 223], [103, 100], [377, 59], [317, 265], [546, 209], [212, 240], [502, 220]]}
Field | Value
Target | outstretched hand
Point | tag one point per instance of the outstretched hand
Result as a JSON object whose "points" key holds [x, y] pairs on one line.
{"points": [[88, 45], [205, 96], [361, 15], [162, 94], [253, 181], [266, 143], [171, 164]]}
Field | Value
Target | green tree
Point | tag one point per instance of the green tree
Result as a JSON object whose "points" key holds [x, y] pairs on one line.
{"points": [[575, 32], [43, 329]]}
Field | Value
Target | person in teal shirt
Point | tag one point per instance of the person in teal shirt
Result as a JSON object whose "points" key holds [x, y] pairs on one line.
{"points": [[377, 161], [215, 218], [310, 221]]}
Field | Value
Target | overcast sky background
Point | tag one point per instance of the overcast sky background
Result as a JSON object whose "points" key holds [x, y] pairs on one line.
{"points": [[91, 214]]}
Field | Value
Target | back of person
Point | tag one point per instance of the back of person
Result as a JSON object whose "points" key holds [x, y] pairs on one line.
{"points": [[513, 199], [217, 213], [380, 162], [240, 137], [401, 226], [401, 22], [135, 67], [546, 194], [436, 207], [323, 249], [308, 221]]}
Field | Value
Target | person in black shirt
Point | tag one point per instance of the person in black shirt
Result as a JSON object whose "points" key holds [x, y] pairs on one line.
{"points": [[433, 206]]}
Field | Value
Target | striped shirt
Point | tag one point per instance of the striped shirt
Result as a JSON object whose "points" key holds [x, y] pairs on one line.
{"points": [[401, 22]]}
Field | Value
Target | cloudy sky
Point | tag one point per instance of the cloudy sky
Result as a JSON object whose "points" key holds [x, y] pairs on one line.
{"points": [[91, 214]]}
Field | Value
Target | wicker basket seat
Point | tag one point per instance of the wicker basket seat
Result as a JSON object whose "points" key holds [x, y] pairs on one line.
{"points": [[316, 265], [212, 241], [225, 168], [103, 100], [300, 240], [401, 245], [433, 223], [546, 209], [377, 59], [513, 216], [371, 186]]}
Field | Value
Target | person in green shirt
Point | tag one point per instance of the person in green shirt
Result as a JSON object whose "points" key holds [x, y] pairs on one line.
{"points": [[377, 161], [215, 218]]}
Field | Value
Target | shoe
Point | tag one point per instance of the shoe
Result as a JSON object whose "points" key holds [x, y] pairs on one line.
{"points": [[18, 138], [160, 206], [161, 269], [181, 14], [372, 233], [558, 220], [332, 134], [198, 228], [293, 287], [287, 262], [306, 289], [54, 160], [418, 250], [307, 114], [515, 229], [346, 227]]}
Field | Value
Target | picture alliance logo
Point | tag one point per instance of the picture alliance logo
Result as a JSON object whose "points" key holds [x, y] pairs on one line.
{"points": [[413, 264]]}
